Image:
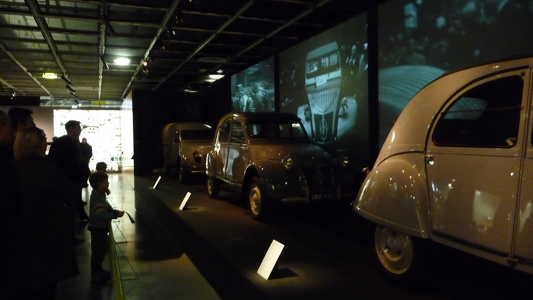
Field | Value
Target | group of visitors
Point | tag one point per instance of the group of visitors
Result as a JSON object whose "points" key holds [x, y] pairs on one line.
{"points": [[41, 197]]}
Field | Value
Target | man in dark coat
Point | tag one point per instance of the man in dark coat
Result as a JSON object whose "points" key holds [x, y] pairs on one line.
{"points": [[9, 200], [66, 152]]}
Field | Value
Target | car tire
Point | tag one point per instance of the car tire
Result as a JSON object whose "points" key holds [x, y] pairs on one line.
{"points": [[257, 199], [213, 186], [401, 257]]}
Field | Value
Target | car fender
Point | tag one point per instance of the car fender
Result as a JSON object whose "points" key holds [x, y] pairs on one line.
{"points": [[209, 165], [275, 177], [394, 194], [267, 170]]}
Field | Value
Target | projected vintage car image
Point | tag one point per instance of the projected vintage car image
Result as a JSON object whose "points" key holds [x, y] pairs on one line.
{"points": [[327, 117]]}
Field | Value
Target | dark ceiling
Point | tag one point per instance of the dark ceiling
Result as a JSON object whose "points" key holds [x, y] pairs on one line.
{"points": [[181, 42]]}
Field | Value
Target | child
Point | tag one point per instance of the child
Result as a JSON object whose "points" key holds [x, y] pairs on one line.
{"points": [[100, 215], [101, 167]]}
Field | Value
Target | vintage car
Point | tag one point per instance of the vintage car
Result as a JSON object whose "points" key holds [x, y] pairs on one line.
{"points": [[269, 158], [456, 169], [184, 145]]}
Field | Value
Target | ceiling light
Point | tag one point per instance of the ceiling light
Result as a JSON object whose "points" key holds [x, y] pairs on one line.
{"points": [[212, 59], [122, 61], [49, 75], [215, 76]]}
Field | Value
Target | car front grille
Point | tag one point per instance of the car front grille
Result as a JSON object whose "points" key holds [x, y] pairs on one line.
{"points": [[318, 179]]}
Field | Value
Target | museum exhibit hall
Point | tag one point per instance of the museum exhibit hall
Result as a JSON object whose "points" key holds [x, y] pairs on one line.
{"points": [[280, 149]]}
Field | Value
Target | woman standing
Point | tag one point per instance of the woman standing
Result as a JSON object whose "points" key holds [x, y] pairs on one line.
{"points": [[45, 199]]}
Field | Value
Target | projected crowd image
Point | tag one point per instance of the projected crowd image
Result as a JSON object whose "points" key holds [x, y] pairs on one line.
{"points": [[252, 90], [324, 81], [418, 40]]}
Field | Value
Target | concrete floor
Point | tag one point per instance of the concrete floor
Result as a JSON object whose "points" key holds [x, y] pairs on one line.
{"points": [[152, 264]]}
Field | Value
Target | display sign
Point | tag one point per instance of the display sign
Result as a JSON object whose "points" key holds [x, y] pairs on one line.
{"points": [[156, 183], [183, 204], [270, 259]]}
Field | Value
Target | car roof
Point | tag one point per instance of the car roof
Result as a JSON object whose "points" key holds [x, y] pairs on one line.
{"points": [[410, 130], [189, 125]]}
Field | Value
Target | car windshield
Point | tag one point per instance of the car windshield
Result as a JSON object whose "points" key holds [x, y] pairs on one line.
{"points": [[197, 134], [276, 130]]}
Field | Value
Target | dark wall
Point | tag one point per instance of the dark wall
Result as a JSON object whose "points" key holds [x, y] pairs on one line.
{"points": [[153, 110]]}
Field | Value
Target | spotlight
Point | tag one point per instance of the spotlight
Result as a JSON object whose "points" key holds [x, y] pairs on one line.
{"points": [[170, 31], [178, 18], [13, 94]]}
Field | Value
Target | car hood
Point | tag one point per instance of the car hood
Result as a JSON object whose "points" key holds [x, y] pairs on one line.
{"points": [[300, 153]]}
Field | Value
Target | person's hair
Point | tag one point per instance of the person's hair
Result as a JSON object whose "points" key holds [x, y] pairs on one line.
{"points": [[71, 124], [29, 143], [19, 115], [96, 178], [101, 166], [4, 119]]}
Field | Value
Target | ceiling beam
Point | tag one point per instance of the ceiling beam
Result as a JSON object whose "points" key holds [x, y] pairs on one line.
{"points": [[163, 27], [34, 8]]}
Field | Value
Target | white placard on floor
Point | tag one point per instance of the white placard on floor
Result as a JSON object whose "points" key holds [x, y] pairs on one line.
{"points": [[183, 204], [270, 259], [156, 183]]}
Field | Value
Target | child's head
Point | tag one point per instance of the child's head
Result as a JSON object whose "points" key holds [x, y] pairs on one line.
{"points": [[99, 181], [101, 167]]}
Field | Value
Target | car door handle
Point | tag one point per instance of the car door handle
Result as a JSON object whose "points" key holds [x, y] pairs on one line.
{"points": [[429, 157]]}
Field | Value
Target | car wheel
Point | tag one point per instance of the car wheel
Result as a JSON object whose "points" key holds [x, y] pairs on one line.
{"points": [[257, 199], [400, 256], [213, 186]]}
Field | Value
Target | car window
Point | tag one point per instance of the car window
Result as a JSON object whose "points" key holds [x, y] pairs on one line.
{"points": [[485, 116], [237, 133], [197, 134], [276, 130], [223, 135]]}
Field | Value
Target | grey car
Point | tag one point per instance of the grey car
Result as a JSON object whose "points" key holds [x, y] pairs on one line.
{"points": [[269, 158], [184, 146]]}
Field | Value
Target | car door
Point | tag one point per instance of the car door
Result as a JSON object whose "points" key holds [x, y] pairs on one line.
{"points": [[220, 149], [236, 155], [473, 162], [524, 225]]}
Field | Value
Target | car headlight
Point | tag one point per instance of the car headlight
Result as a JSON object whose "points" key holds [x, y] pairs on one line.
{"points": [[197, 156], [344, 161], [287, 163]]}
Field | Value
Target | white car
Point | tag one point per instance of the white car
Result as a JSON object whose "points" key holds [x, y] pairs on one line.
{"points": [[456, 169]]}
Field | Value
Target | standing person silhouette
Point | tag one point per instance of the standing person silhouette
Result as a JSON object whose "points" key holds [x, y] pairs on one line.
{"points": [[9, 199], [66, 151], [86, 149], [100, 215], [48, 257], [21, 118]]}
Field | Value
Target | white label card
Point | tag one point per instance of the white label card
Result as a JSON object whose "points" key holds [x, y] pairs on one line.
{"points": [[270, 259], [184, 201], [157, 182]]}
